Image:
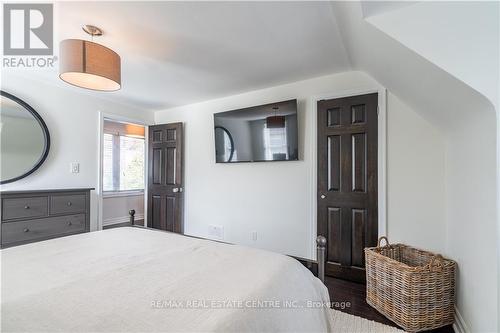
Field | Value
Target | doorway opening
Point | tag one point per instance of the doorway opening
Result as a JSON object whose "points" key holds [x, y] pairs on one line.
{"points": [[123, 172]]}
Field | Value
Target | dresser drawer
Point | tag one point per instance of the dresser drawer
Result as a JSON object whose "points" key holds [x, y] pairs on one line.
{"points": [[67, 204], [24, 231], [14, 208]]}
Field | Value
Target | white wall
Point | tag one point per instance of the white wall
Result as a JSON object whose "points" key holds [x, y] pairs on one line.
{"points": [[115, 208], [416, 178], [276, 199], [73, 122], [471, 216], [461, 166]]}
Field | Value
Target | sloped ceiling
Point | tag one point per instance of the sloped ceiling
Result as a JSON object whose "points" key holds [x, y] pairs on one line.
{"points": [[371, 8], [177, 53], [461, 38], [430, 90]]}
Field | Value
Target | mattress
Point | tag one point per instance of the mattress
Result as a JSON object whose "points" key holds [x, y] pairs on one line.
{"points": [[140, 280]]}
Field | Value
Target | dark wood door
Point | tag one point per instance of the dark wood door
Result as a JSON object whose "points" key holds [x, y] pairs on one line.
{"points": [[347, 182], [165, 177]]}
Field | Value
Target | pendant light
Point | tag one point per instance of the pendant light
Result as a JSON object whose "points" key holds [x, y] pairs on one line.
{"points": [[275, 121], [89, 65]]}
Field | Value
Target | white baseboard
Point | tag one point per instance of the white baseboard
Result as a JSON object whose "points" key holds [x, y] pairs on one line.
{"points": [[121, 219], [460, 326]]}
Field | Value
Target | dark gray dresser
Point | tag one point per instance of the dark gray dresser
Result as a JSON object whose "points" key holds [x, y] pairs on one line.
{"points": [[32, 216]]}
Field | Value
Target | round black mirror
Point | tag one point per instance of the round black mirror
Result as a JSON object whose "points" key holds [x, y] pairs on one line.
{"points": [[24, 139], [224, 145]]}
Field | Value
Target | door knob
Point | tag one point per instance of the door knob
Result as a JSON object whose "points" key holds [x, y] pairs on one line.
{"points": [[323, 196], [175, 189]]}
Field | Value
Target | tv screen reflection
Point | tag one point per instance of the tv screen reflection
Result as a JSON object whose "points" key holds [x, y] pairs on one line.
{"points": [[256, 134]]}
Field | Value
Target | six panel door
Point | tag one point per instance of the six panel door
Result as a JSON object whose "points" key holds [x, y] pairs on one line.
{"points": [[165, 177], [347, 182]]}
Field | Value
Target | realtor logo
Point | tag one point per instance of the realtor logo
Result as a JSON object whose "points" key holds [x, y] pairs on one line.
{"points": [[28, 29]]}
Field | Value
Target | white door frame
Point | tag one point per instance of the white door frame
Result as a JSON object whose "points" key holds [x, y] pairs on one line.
{"points": [[381, 155], [102, 116]]}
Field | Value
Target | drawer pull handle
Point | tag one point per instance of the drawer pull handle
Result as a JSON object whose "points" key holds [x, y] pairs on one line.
{"points": [[69, 203], [26, 230], [26, 207], [70, 223]]}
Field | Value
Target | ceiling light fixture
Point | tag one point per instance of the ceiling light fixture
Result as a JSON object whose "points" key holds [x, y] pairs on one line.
{"points": [[89, 65], [275, 121]]}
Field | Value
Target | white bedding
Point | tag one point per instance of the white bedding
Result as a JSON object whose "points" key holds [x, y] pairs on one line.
{"points": [[139, 280]]}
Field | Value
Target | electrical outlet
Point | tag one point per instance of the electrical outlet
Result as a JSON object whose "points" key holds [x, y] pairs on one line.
{"points": [[216, 231], [254, 236], [74, 167]]}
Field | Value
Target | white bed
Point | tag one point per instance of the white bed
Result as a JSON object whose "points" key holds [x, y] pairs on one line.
{"points": [[140, 280]]}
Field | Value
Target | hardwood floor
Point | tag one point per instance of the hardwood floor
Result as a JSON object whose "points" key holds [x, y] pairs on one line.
{"points": [[124, 224], [350, 297]]}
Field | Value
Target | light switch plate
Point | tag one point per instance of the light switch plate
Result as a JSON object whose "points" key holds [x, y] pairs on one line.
{"points": [[75, 167]]}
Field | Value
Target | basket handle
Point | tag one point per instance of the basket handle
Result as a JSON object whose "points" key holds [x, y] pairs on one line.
{"points": [[380, 240], [436, 261]]}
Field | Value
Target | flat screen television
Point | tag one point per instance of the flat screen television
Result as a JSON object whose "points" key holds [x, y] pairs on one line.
{"points": [[256, 134]]}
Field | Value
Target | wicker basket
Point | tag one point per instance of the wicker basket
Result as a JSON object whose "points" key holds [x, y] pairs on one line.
{"points": [[413, 288]]}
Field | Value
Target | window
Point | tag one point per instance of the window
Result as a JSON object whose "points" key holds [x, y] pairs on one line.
{"points": [[123, 160], [275, 143]]}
